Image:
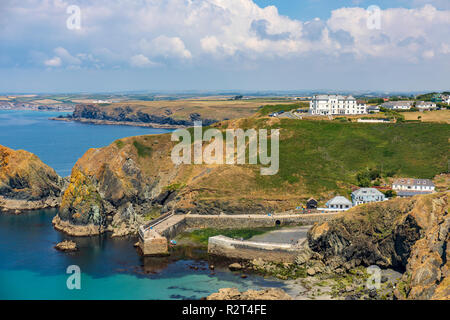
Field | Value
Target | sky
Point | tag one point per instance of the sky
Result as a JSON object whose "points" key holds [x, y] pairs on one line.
{"points": [[175, 45]]}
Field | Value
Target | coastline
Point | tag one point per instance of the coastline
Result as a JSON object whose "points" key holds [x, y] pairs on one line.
{"points": [[19, 206], [77, 231], [152, 125]]}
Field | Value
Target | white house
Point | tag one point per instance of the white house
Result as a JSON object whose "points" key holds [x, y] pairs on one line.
{"points": [[406, 187], [339, 203], [366, 195], [373, 109], [335, 105], [425, 105], [398, 105], [446, 99]]}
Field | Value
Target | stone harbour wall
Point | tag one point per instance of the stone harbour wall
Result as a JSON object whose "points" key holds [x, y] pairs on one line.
{"points": [[255, 221], [248, 250]]}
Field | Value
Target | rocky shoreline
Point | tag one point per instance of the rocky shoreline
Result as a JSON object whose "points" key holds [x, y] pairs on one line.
{"points": [[126, 115], [153, 125], [19, 206], [320, 283], [235, 294], [26, 183]]}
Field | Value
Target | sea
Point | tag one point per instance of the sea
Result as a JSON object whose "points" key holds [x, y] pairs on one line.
{"points": [[103, 268]]}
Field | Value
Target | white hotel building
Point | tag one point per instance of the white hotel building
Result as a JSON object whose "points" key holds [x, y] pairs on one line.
{"points": [[335, 105]]}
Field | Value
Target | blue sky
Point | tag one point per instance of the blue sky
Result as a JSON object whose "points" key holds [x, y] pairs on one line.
{"points": [[181, 45], [310, 9]]}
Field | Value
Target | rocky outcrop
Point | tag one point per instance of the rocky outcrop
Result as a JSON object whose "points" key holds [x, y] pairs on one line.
{"points": [[66, 246], [26, 183], [410, 235], [128, 115], [235, 294], [119, 187]]}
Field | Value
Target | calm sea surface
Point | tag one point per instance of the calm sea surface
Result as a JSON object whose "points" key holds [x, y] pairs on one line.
{"points": [[30, 268]]}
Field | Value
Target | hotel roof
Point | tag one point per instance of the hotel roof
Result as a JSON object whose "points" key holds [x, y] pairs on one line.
{"points": [[413, 182]]}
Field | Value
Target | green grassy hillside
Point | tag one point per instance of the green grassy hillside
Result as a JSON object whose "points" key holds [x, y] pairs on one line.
{"points": [[326, 155], [317, 158]]}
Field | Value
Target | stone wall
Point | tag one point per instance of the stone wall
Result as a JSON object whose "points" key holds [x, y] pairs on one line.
{"points": [[154, 245], [248, 250], [169, 229], [255, 221]]}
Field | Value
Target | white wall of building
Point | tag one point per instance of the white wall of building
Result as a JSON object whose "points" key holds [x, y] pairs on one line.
{"points": [[336, 105]]}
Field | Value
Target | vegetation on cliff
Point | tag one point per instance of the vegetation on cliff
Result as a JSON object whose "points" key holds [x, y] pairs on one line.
{"points": [[135, 175], [25, 178]]}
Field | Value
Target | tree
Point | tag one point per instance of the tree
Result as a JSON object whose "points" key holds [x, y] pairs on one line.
{"points": [[390, 194], [364, 179]]}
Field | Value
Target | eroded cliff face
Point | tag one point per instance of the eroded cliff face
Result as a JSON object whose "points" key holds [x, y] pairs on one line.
{"points": [[121, 186], [26, 183], [128, 114], [410, 235]]}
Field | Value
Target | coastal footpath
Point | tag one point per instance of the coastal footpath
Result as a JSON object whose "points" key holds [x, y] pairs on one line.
{"points": [[26, 183]]}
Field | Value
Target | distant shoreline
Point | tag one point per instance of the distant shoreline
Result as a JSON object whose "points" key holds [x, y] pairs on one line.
{"points": [[120, 123], [37, 109]]}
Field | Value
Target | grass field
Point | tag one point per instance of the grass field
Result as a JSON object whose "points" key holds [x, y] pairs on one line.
{"points": [[318, 159], [429, 116], [202, 235], [207, 109], [267, 109], [318, 156], [323, 158]]}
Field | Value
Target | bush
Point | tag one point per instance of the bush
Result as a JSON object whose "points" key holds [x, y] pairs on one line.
{"points": [[364, 179], [390, 194], [142, 150]]}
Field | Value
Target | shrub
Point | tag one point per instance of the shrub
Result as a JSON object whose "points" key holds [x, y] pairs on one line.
{"points": [[142, 150]]}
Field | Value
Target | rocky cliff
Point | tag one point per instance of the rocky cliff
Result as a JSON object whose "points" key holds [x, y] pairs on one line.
{"points": [[134, 179], [410, 235], [121, 186], [129, 115], [27, 183]]}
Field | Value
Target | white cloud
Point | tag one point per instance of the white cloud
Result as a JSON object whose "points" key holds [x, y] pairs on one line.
{"points": [[66, 57], [140, 61], [167, 47], [210, 44], [123, 33], [429, 54], [53, 62]]}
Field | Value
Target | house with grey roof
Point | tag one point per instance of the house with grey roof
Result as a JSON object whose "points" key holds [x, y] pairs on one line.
{"points": [[425, 105], [339, 203], [373, 109], [408, 187], [397, 105], [367, 195]]}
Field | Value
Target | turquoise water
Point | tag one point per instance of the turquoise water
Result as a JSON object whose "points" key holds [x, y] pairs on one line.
{"points": [[59, 144], [30, 268]]}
